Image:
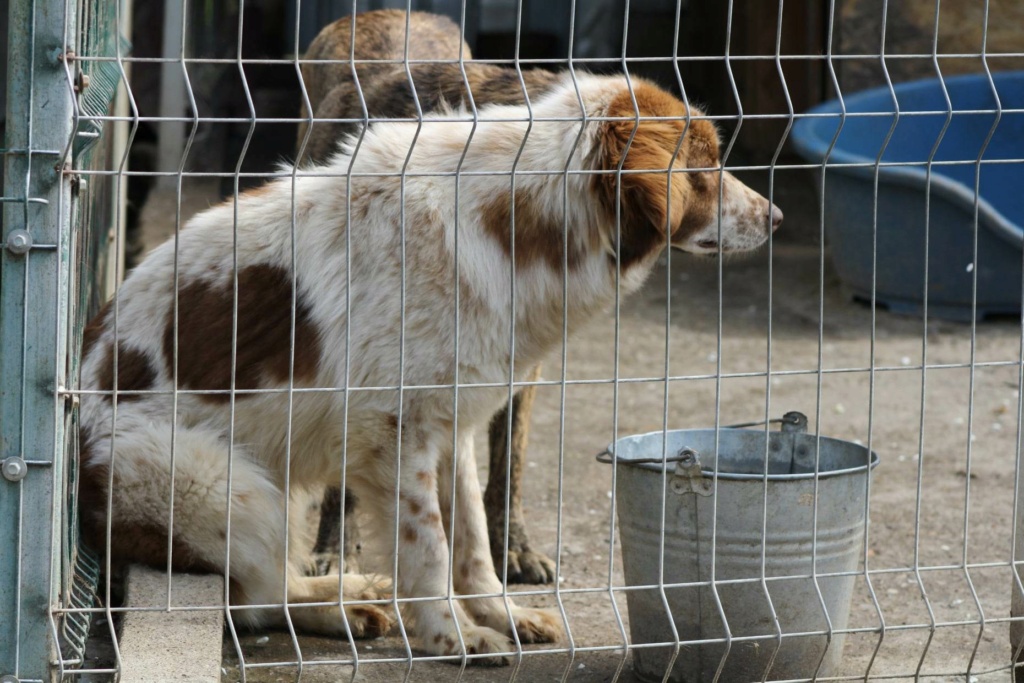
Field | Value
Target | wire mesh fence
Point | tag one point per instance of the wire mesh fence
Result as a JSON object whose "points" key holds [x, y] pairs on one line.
{"points": [[478, 242]]}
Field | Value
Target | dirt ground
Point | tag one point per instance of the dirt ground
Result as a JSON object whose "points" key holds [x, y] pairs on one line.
{"points": [[943, 493]]}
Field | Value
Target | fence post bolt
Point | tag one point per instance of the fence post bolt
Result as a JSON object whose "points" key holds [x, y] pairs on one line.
{"points": [[14, 469], [81, 81], [19, 242]]}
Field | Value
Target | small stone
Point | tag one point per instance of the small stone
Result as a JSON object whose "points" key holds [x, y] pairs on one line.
{"points": [[905, 360], [970, 267], [956, 602], [712, 357], [581, 667], [945, 547], [609, 495], [997, 427], [263, 640], [840, 409], [893, 591], [901, 458]]}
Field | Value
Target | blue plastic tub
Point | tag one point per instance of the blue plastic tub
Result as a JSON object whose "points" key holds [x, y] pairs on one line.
{"points": [[902, 215]]}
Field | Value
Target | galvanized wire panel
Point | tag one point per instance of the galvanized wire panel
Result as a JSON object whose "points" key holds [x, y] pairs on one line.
{"points": [[702, 347]]}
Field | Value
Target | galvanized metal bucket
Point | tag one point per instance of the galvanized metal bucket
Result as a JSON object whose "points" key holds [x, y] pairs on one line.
{"points": [[806, 521]]}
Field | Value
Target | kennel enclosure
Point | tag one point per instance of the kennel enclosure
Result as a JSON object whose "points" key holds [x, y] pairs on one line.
{"points": [[937, 589]]}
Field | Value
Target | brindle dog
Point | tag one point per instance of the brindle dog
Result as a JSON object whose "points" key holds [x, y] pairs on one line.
{"points": [[386, 93]]}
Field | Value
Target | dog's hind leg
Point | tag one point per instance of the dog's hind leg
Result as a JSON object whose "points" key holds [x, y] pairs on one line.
{"points": [[363, 620], [314, 604], [525, 565], [216, 493]]}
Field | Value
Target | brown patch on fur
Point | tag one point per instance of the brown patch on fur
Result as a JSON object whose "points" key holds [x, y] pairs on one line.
{"points": [[651, 207], [425, 478], [95, 328], [414, 505], [409, 533], [438, 638], [450, 644], [538, 237], [264, 333], [393, 421], [134, 372], [432, 518]]}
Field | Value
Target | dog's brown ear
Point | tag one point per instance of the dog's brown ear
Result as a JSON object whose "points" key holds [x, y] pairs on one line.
{"points": [[652, 205]]}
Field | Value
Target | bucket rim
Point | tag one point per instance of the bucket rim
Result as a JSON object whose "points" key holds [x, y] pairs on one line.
{"points": [[738, 476]]}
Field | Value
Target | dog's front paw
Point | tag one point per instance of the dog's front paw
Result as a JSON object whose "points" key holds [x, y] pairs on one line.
{"points": [[479, 640], [538, 625], [528, 566]]}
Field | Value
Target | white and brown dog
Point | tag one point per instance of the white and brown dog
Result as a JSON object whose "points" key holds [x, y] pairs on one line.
{"points": [[323, 320]]}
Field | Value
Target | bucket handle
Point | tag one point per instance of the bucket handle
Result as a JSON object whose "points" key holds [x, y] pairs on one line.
{"points": [[688, 476], [793, 421]]}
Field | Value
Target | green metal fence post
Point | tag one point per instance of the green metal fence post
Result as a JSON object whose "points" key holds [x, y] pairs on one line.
{"points": [[34, 288]]}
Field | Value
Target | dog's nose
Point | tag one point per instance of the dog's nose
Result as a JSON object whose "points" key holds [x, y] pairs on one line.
{"points": [[776, 217]]}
